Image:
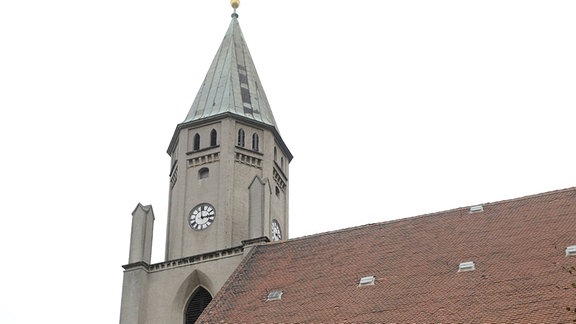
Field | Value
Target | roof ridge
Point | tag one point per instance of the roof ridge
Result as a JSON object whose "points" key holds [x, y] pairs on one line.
{"points": [[411, 218], [542, 194]]}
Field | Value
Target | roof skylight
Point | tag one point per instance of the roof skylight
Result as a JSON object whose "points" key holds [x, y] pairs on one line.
{"points": [[466, 266], [275, 295], [366, 281], [476, 209], [571, 250]]}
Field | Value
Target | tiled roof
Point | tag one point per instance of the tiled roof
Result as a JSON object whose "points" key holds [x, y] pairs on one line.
{"points": [[232, 84], [518, 247]]}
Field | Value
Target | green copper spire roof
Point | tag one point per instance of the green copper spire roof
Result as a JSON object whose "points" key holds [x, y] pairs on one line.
{"points": [[232, 84]]}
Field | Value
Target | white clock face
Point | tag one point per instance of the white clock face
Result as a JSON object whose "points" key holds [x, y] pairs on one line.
{"points": [[202, 216], [276, 231]]}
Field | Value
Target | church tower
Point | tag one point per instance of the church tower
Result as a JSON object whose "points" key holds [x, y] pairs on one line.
{"points": [[229, 172], [228, 190]]}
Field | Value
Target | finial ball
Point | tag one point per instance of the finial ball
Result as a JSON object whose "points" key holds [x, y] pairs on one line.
{"points": [[235, 3]]}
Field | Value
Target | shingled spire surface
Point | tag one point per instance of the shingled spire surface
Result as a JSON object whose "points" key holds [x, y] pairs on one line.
{"points": [[232, 84]]}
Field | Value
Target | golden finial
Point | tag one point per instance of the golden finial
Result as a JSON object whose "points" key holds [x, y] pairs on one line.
{"points": [[235, 4]]}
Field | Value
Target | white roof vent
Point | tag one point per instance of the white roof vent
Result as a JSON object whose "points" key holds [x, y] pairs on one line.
{"points": [[275, 295], [366, 281], [466, 266], [571, 250], [476, 209]]}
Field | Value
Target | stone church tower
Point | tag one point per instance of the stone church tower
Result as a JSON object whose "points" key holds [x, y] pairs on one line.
{"points": [[228, 190]]}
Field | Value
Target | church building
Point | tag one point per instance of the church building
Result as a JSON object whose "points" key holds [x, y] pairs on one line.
{"points": [[228, 191], [228, 258]]}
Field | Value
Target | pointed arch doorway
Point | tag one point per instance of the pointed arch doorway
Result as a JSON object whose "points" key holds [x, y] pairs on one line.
{"points": [[198, 301]]}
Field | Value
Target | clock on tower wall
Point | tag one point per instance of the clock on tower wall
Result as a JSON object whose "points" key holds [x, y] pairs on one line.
{"points": [[202, 216], [276, 231]]}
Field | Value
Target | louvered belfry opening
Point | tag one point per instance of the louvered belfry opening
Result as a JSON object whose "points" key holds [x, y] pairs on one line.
{"points": [[199, 300]]}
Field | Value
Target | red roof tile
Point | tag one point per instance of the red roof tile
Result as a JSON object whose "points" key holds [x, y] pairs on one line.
{"points": [[518, 247]]}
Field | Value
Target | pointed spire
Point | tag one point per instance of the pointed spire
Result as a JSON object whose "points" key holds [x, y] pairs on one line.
{"points": [[232, 84]]}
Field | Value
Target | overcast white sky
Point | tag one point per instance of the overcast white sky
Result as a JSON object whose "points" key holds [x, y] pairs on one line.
{"points": [[391, 108]]}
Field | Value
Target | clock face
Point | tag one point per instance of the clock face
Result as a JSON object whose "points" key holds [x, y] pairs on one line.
{"points": [[202, 216], [276, 232]]}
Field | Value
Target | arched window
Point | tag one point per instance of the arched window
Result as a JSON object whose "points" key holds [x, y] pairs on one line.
{"points": [[213, 138], [275, 154], [198, 301], [203, 173], [196, 142], [241, 137], [282, 162], [255, 141]]}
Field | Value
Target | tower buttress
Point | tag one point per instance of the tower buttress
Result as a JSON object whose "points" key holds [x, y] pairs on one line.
{"points": [[141, 236]]}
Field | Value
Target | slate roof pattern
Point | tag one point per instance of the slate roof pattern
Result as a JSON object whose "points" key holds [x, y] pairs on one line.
{"points": [[518, 246], [232, 84]]}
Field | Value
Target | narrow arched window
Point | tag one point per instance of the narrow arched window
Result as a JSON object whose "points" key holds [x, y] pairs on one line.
{"points": [[196, 304], [275, 153], [213, 138], [196, 142], [203, 173], [241, 137], [255, 141], [282, 162]]}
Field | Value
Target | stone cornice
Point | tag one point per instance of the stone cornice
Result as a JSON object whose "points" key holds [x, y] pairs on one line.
{"points": [[205, 257]]}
